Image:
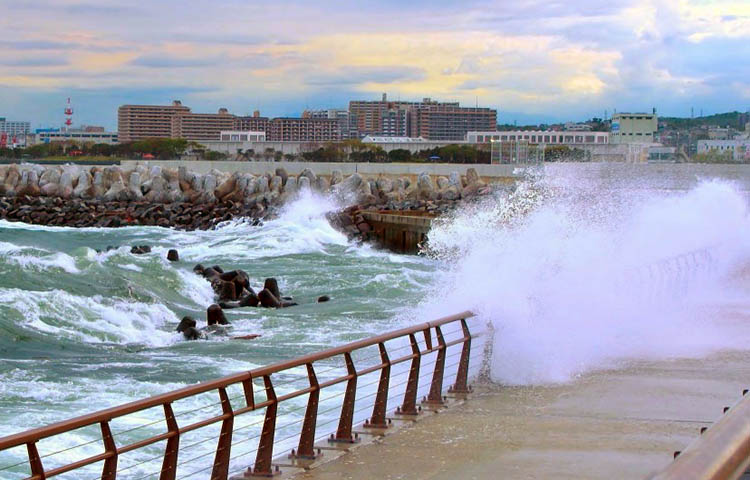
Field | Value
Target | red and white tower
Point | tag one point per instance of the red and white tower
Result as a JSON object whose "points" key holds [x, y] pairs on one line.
{"points": [[68, 115]]}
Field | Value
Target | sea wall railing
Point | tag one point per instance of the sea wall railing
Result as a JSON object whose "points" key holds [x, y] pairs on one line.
{"points": [[721, 452], [151, 443]]}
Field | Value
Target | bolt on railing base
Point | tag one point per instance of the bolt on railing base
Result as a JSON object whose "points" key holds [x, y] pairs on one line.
{"points": [[274, 472], [399, 411], [353, 439], [463, 391], [295, 456], [381, 426]]}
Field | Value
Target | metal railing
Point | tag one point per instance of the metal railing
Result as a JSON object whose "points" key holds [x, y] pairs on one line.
{"points": [[419, 341], [722, 452]]}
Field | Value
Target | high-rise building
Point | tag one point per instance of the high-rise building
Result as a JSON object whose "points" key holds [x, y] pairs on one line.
{"points": [[442, 121], [346, 121], [138, 122], [13, 128]]}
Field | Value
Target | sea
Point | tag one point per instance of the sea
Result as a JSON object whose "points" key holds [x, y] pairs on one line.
{"points": [[576, 268]]}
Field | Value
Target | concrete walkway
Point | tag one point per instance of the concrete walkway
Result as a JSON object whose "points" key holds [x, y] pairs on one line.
{"points": [[608, 425]]}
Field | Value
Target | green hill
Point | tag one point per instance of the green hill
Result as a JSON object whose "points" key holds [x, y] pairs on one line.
{"points": [[730, 119]]}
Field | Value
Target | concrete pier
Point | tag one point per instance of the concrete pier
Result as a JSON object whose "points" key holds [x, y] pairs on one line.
{"points": [[616, 424], [400, 232]]}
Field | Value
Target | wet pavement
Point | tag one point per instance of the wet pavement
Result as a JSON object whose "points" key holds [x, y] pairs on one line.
{"points": [[623, 423]]}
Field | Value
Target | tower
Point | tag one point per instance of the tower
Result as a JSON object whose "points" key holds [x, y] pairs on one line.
{"points": [[68, 115]]}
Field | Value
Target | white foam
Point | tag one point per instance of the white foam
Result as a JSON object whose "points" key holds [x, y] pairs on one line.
{"points": [[57, 260], [91, 319], [548, 269]]}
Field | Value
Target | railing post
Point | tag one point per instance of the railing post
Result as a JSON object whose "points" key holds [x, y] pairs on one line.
{"points": [[378, 419], [35, 461], [462, 376], [409, 406], [224, 446], [109, 470], [263, 466], [306, 449], [435, 397], [344, 430], [247, 387], [169, 466]]}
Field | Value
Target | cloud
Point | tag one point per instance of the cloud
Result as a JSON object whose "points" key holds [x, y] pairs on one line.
{"points": [[165, 61], [356, 75], [46, 61], [573, 58]]}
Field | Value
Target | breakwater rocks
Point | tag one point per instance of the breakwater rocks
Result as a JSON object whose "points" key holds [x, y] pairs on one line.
{"points": [[81, 196]]}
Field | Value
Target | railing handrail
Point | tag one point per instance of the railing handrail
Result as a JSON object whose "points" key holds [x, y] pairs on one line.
{"points": [[106, 415], [721, 453]]}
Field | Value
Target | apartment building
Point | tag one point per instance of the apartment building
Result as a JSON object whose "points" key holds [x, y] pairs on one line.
{"points": [[13, 128], [441, 121], [347, 121], [287, 129], [138, 122], [254, 123], [197, 127]]}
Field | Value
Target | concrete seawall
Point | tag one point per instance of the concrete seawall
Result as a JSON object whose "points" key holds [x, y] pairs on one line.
{"points": [[489, 173]]}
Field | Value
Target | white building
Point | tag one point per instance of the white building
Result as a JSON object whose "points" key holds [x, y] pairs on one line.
{"points": [[14, 128], [740, 149], [110, 138], [634, 127], [541, 136], [242, 136]]}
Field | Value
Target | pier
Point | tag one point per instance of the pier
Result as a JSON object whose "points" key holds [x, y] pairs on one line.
{"points": [[399, 231]]}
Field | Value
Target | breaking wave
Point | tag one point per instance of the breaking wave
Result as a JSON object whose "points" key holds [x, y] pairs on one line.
{"points": [[571, 278]]}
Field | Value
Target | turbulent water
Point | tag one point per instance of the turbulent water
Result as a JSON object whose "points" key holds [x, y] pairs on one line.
{"points": [[577, 269]]}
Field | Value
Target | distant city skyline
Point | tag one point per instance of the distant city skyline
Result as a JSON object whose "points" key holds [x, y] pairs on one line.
{"points": [[534, 61]]}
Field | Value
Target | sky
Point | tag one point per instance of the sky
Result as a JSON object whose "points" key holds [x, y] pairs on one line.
{"points": [[532, 60]]}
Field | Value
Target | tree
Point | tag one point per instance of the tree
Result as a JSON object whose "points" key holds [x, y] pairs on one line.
{"points": [[399, 155]]}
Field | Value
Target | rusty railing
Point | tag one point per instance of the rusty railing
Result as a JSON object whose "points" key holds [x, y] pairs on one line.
{"points": [[161, 429], [722, 452]]}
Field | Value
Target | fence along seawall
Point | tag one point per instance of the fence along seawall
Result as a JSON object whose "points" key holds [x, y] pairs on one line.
{"points": [[445, 345]]}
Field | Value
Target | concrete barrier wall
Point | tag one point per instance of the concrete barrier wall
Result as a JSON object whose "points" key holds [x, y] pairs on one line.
{"points": [[486, 171]]}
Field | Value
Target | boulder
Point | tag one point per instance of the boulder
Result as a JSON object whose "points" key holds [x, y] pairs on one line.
{"points": [[117, 192], [50, 175], [455, 179], [385, 185], [140, 249], [134, 186], [281, 172], [84, 188], [215, 316], [323, 298], [322, 185], [336, 177], [309, 174], [304, 184], [268, 299], [173, 255], [272, 286], [472, 176], [276, 183]]}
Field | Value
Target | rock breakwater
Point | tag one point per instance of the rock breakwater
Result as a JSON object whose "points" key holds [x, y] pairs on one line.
{"points": [[79, 196]]}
